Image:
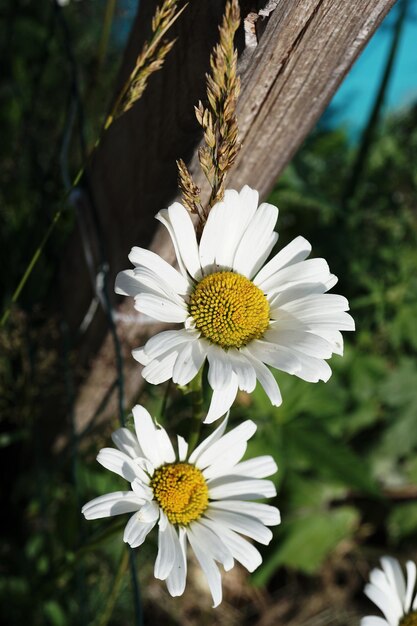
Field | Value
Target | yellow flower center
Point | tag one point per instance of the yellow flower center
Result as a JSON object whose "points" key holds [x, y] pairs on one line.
{"points": [[229, 310], [409, 620], [181, 491]]}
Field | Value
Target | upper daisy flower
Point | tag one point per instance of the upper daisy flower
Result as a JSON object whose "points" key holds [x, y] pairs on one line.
{"points": [[202, 498], [394, 596], [235, 310]]}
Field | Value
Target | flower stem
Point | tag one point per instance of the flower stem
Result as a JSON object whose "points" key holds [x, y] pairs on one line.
{"points": [[196, 389]]}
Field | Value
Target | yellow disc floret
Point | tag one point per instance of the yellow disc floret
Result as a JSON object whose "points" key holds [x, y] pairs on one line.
{"points": [[409, 620], [181, 491], [229, 310]]}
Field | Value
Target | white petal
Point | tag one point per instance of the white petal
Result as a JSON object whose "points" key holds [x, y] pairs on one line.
{"points": [[265, 377], [378, 578], [242, 524], [395, 578], [259, 467], [126, 284], [301, 290], [303, 341], [221, 400], [140, 356], [265, 513], [165, 447], [119, 463], [291, 361], [182, 448], [142, 490], [372, 620], [384, 603], [212, 543], [334, 337], [312, 370], [256, 240], [317, 303], [220, 368], [166, 550], [221, 234], [150, 282], [243, 369], [141, 256], [338, 320], [161, 369], [249, 199], [163, 217], [161, 309], [276, 356], [209, 568], [225, 464], [231, 486], [225, 444], [411, 582], [148, 513], [241, 550], [294, 252], [178, 574], [137, 531], [126, 441], [110, 504], [152, 443], [212, 232], [165, 341], [312, 270], [269, 246], [208, 441], [183, 232], [189, 361]]}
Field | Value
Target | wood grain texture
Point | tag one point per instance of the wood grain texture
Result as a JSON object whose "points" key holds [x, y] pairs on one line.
{"points": [[304, 49]]}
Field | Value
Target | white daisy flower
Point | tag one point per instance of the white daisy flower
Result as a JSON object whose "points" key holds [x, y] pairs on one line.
{"points": [[234, 309], [202, 498], [392, 594]]}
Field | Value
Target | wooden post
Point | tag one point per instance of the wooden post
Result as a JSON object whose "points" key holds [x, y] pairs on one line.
{"points": [[294, 54]]}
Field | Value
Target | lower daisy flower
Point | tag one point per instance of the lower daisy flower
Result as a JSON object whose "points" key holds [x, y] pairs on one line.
{"points": [[203, 499], [394, 595], [238, 311]]}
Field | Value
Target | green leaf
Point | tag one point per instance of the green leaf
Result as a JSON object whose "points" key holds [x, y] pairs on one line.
{"points": [[402, 521], [308, 541], [54, 613], [330, 456]]}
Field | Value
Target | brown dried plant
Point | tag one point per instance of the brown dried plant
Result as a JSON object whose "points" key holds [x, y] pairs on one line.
{"points": [[150, 59], [218, 119]]}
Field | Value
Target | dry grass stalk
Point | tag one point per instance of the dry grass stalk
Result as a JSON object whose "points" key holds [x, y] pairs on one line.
{"points": [[190, 191], [218, 119], [150, 59]]}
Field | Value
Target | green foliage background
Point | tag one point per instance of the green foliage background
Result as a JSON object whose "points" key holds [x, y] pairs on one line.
{"points": [[346, 450]]}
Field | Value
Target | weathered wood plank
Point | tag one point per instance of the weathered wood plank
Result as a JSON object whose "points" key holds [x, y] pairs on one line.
{"points": [[302, 52]]}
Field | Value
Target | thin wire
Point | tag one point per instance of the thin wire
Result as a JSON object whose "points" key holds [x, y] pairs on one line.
{"points": [[105, 297]]}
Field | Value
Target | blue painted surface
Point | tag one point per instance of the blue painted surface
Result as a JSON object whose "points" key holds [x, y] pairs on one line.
{"points": [[353, 101], [125, 15]]}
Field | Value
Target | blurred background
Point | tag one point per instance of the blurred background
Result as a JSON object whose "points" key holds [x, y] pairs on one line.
{"points": [[346, 450]]}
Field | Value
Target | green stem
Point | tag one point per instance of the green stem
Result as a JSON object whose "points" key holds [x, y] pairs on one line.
{"points": [[29, 269], [111, 602], [196, 388]]}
